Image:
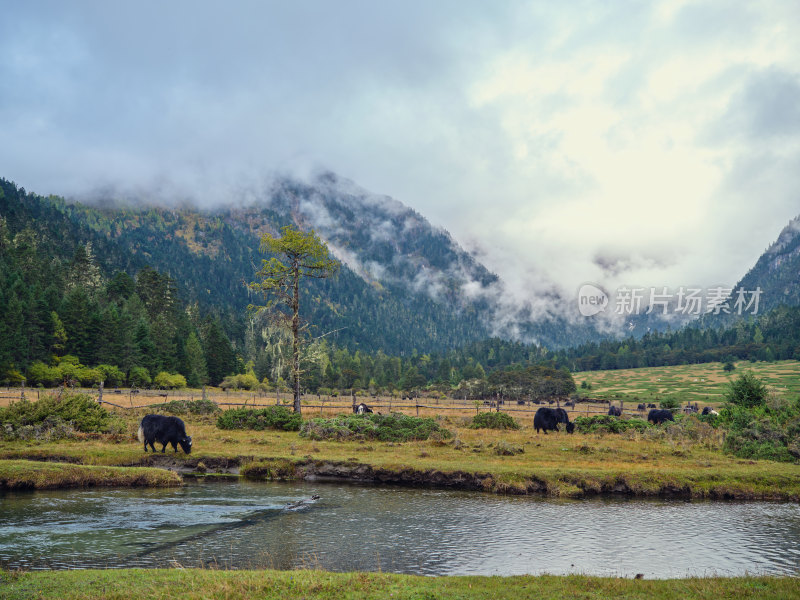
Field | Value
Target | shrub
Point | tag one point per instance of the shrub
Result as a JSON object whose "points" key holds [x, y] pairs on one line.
{"points": [[770, 430], [80, 411], [395, 427], [608, 424], [195, 407], [68, 371], [669, 403], [89, 377], [748, 391], [493, 420], [169, 381], [111, 375], [273, 417], [51, 429], [40, 374], [505, 449], [240, 382], [139, 377]]}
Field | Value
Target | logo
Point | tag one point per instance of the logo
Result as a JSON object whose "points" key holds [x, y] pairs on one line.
{"points": [[591, 300]]}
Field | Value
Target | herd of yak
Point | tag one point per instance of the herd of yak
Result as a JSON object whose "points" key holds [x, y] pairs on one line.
{"points": [[171, 430]]}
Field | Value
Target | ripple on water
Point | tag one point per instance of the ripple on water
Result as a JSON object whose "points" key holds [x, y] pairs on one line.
{"points": [[429, 532]]}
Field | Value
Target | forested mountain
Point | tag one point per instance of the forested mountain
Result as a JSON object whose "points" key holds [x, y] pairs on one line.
{"points": [[144, 296], [777, 271], [150, 289], [212, 255]]}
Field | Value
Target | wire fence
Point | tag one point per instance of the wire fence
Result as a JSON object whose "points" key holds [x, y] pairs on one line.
{"points": [[226, 399]]}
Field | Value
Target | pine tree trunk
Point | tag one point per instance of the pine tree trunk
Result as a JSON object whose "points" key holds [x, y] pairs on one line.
{"points": [[296, 340]]}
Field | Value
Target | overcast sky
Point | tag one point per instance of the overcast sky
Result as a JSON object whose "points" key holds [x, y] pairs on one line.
{"points": [[638, 143]]}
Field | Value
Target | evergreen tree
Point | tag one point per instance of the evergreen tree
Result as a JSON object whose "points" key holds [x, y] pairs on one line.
{"points": [[219, 354], [305, 256], [196, 362]]}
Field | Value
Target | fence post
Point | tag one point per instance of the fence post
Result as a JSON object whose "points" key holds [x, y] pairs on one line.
{"points": [[22, 393], [100, 390]]}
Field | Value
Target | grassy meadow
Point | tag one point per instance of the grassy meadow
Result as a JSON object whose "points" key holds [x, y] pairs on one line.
{"points": [[704, 383], [683, 460]]}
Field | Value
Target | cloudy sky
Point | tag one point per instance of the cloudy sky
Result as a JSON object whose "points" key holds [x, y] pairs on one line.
{"points": [[638, 143]]}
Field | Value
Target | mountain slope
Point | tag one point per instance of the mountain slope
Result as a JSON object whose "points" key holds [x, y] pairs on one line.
{"points": [[777, 271], [396, 249], [211, 256]]}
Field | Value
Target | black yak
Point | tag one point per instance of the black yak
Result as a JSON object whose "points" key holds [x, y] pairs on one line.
{"points": [[614, 411], [164, 430], [658, 416], [547, 419], [361, 409]]}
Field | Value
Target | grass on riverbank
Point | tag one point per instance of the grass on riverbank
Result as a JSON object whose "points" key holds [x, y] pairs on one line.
{"points": [[25, 474], [650, 463], [188, 584]]}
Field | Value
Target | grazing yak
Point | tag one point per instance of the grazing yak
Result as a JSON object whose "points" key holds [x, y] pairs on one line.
{"points": [[547, 419], [651, 406], [164, 430], [707, 410], [362, 409], [614, 411], [642, 407], [658, 416]]}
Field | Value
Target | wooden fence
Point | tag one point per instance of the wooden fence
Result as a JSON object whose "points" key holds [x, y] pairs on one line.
{"points": [[336, 404]]}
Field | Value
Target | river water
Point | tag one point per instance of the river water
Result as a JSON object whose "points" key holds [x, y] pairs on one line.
{"points": [[372, 528]]}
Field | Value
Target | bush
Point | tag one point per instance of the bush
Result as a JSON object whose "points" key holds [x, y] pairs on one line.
{"points": [[111, 375], [669, 403], [139, 377], [169, 381], [769, 431], [240, 382], [40, 374], [274, 417], [608, 424], [748, 391], [89, 377], [505, 449], [395, 427], [195, 407], [80, 411], [51, 429], [493, 420]]}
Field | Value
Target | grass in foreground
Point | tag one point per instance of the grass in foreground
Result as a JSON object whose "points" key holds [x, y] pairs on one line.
{"points": [[25, 474], [178, 584]]}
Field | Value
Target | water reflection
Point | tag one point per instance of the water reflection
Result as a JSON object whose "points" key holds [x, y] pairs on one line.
{"points": [[427, 532]]}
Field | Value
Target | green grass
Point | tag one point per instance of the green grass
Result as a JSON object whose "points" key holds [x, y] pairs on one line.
{"points": [[25, 474], [650, 463], [704, 383], [177, 584]]}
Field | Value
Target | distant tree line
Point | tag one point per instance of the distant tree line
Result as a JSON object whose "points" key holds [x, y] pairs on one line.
{"points": [[775, 335]]}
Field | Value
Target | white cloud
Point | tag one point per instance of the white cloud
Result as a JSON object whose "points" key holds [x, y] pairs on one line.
{"points": [[549, 134]]}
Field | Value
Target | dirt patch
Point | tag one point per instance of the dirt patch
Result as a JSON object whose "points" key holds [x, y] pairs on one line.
{"points": [[181, 464]]}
